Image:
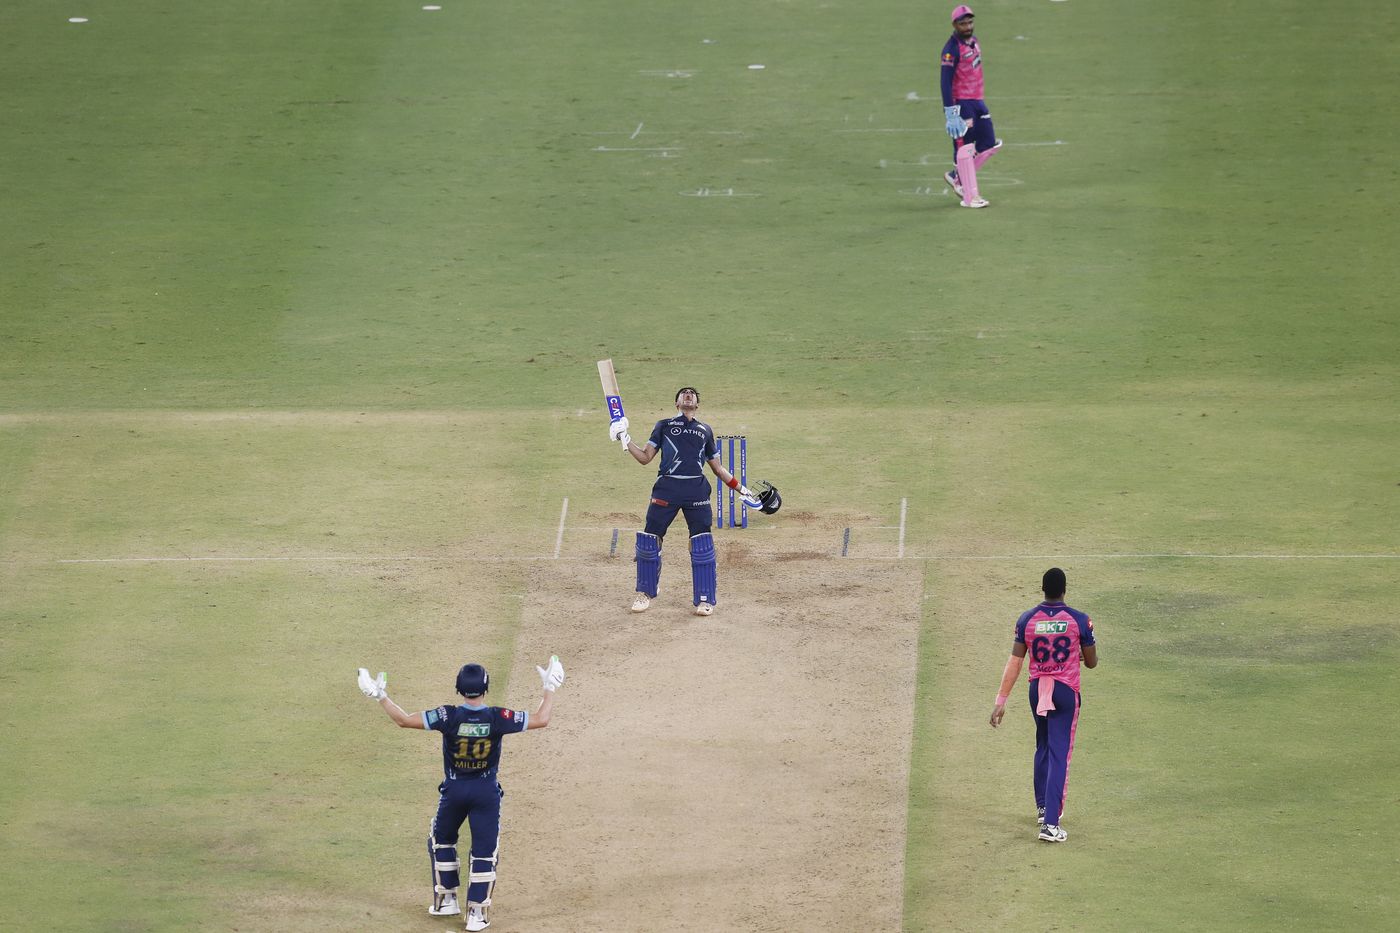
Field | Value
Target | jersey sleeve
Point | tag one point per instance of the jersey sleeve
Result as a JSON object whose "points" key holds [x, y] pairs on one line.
{"points": [[1020, 638], [508, 721], [1086, 631], [655, 439], [439, 719], [947, 67]]}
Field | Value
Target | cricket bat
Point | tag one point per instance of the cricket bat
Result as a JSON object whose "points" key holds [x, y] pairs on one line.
{"points": [[611, 393]]}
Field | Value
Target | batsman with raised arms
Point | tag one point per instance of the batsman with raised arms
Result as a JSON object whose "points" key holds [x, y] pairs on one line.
{"points": [[470, 793], [686, 445]]}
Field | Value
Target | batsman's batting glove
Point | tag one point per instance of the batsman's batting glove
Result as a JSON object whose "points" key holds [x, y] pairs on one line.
{"points": [[551, 677], [370, 687], [750, 497], [617, 429], [957, 126], [626, 440]]}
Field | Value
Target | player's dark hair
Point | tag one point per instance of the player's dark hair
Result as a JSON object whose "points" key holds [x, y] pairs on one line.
{"points": [[1053, 583], [688, 389], [472, 680]]}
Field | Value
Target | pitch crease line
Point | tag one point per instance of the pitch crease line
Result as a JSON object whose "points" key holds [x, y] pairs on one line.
{"points": [[559, 538], [903, 513], [497, 559]]}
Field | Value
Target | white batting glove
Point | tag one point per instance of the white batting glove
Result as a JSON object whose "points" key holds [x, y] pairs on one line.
{"points": [[370, 687], [617, 429], [626, 440], [750, 497], [551, 677]]}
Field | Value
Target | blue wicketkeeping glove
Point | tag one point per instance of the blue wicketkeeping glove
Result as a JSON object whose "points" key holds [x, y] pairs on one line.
{"points": [[957, 126]]}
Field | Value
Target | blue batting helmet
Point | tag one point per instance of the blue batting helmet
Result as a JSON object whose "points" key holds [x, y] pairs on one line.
{"points": [[472, 680]]}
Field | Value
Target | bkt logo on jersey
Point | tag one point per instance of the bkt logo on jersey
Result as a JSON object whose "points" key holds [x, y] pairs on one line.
{"points": [[1051, 627], [474, 728], [614, 407]]}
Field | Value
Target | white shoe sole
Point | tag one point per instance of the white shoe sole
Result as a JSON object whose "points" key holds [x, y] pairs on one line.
{"points": [[980, 202], [704, 609], [641, 605], [948, 180]]}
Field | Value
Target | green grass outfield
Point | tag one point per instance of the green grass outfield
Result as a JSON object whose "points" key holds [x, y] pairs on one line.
{"points": [[284, 279]]}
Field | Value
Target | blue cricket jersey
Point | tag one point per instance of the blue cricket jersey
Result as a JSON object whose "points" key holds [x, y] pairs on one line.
{"points": [[686, 445], [471, 736]]}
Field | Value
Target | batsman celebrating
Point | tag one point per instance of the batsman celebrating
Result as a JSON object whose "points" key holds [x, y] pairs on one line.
{"points": [[471, 752], [686, 445], [1058, 638]]}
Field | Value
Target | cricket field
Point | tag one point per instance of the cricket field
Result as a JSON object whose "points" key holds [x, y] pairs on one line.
{"points": [[300, 305]]}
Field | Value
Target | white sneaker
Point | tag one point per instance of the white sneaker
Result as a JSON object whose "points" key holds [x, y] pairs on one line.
{"points": [[445, 905], [976, 202], [704, 608], [641, 603], [1051, 833], [951, 179], [476, 918]]}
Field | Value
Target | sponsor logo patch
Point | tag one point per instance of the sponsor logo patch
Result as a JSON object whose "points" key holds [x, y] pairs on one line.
{"points": [[474, 728], [1051, 627]]}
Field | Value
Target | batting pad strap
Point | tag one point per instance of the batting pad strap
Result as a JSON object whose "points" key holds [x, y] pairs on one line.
{"points": [[476, 876], [1009, 675]]}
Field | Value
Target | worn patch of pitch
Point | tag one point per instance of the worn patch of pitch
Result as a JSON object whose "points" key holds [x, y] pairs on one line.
{"points": [[753, 764]]}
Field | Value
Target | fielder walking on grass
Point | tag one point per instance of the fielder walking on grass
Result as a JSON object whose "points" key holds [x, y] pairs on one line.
{"points": [[471, 753], [1057, 638], [969, 122], [686, 445]]}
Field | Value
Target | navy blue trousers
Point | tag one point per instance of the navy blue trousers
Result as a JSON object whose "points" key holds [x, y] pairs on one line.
{"points": [[1054, 747], [477, 802], [670, 496], [981, 133]]}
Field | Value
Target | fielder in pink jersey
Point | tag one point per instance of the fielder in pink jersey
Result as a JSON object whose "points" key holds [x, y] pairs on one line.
{"points": [[969, 121], [1058, 638]]}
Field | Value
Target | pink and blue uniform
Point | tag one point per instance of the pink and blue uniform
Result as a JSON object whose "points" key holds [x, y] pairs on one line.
{"points": [[960, 79], [1054, 635]]}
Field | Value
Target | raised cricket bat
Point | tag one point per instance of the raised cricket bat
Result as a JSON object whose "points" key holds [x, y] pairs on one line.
{"points": [[611, 393]]}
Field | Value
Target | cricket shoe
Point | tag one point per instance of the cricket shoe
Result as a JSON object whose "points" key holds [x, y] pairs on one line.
{"points": [[952, 180], [1040, 816], [445, 905], [476, 918], [976, 202], [1050, 833], [641, 603], [704, 608]]}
